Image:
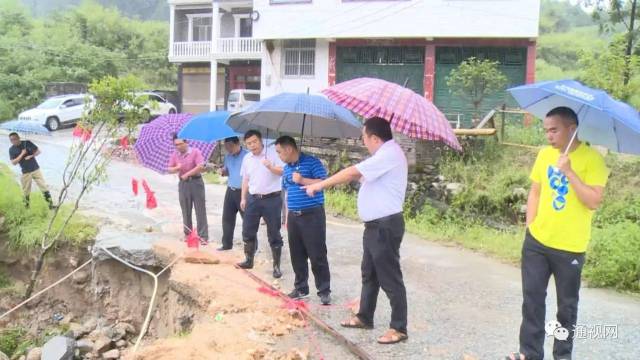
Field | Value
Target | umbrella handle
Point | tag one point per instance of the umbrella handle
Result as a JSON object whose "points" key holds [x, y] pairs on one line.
{"points": [[573, 138]]}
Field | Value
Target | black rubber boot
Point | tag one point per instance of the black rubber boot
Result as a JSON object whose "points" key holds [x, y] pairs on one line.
{"points": [[249, 252], [47, 197], [26, 201], [277, 253]]}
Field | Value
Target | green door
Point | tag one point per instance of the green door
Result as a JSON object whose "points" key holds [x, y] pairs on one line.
{"points": [[512, 64], [397, 64]]}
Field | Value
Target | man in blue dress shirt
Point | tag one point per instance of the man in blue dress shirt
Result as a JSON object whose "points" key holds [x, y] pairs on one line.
{"points": [[231, 168]]}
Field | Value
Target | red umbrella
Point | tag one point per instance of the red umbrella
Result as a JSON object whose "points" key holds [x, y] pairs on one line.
{"points": [[408, 112]]}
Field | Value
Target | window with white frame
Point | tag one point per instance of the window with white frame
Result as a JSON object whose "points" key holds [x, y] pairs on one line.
{"points": [[299, 57], [200, 27]]}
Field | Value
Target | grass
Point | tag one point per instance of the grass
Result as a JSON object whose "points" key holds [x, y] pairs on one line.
{"points": [[341, 202], [24, 227], [213, 178], [5, 281], [14, 341], [490, 173]]}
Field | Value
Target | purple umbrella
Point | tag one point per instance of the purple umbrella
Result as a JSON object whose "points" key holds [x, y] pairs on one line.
{"points": [[155, 143]]}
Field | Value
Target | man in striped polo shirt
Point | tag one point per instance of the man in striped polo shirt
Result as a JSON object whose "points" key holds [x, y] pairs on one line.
{"points": [[306, 222]]}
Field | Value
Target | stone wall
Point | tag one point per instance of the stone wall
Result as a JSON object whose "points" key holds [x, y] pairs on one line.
{"points": [[422, 156]]}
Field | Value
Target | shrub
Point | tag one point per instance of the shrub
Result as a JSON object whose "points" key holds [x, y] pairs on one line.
{"points": [[612, 259]]}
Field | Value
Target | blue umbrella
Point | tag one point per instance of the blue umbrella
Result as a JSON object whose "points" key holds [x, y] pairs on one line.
{"points": [[27, 127], [603, 120], [298, 114], [208, 127]]}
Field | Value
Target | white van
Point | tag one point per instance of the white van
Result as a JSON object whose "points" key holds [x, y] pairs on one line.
{"points": [[240, 99]]}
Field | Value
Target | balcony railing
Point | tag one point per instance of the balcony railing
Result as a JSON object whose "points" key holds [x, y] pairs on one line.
{"points": [[190, 51], [221, 48], [237, 48]]}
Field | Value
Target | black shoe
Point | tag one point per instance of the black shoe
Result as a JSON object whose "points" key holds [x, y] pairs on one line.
{"points": [[297, 294], [277, 253], [249, 251], [325, 299], [223, 248], [47, 198]]}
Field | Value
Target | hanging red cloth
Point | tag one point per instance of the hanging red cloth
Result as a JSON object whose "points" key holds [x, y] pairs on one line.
{"points": [[86, 135], [124, 142], [77, 131]]}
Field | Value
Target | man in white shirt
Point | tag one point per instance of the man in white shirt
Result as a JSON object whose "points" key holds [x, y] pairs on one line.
{"points": [[261, 173], [383, 178]]}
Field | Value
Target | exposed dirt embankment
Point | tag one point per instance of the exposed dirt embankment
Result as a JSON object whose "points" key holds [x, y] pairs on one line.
{"points": [[202, 311], [237, 321]]}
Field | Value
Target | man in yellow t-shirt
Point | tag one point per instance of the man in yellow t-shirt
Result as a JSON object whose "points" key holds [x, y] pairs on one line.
{"points": [[565, 192]]}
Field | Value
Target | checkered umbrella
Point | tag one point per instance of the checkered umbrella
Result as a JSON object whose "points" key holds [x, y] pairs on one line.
{"points": [[154, 146], [26, 127], [408, 112]]}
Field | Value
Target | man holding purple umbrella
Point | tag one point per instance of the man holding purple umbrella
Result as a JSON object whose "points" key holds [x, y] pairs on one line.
{"points": [[189, 163]]}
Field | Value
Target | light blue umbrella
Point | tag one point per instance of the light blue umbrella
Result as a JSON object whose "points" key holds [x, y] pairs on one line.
{"points": [[26, 127], [298, 114], [208, 127], [602, 120]]}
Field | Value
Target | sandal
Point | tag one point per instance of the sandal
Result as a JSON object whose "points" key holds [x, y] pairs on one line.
{"points": [[514, 356], [392, 336], [355, 323]]}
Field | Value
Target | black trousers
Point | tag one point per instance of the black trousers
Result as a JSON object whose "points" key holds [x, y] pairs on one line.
{"points": [[230, 210], [191, 195], [539, 262], [270, 209], [381, 268], [308, 243]]}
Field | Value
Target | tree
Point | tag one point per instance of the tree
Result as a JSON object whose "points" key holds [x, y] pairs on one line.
{"points": [[476, 79], [611, 14], [561, 16], [89, 157], [608, 69]]}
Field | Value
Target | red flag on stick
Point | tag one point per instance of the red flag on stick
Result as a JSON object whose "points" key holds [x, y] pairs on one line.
{"points": [[151, 198], [134, 186], [145, 186], [151, 201], [193, 240]]}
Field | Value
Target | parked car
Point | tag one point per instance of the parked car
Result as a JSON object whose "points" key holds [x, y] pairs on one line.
{"points": [[156, 104], [57, 111], [240, 99]]}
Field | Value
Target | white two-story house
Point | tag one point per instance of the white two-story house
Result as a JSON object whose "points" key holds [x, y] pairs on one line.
{"points": [[295, 45]]}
